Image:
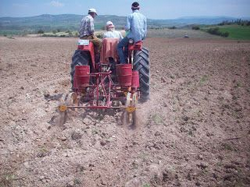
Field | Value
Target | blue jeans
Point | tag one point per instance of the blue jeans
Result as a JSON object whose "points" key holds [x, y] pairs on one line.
{"points": [[123, 54]]}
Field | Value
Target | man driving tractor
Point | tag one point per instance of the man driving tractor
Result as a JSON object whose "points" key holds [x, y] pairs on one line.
{"points": [[136, 29]]}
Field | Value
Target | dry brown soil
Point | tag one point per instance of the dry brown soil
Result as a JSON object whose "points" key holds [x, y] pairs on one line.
{"points": [[194, 131]]}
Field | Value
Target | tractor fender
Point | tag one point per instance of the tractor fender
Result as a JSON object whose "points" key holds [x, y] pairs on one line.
{"points": [[89, 48]]}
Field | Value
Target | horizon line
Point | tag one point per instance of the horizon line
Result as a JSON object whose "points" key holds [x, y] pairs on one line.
{"points": [[202, 16]]}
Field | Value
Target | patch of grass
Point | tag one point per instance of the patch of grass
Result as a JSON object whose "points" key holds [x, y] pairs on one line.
{"points": [[10, 37], [43, 151], [217, 31], [143, 156], [237, 32], [7, 180], [199, 113], [77, 182], [95, 131], [190, 133], [228, 147], [9, 32], [146, 185], [238, 85], [204, 79], [158, 119], [56, 34]]}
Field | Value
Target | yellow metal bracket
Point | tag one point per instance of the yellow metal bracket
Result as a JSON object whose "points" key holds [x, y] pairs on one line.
{"points": [[62, 108], [130, 109]]}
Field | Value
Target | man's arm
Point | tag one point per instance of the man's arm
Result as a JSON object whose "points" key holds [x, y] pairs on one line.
{"points": [[81, 29], [145, 27], [91, 26], [128, 25]]}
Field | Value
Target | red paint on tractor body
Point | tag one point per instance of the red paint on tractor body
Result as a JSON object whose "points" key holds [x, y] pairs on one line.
{"points": [[135, 80], [135, 46], [102, 85], [124, 74], [90, 48], [82, 76]]}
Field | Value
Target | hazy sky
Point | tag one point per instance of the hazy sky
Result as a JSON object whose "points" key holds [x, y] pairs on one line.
{"points": [[156, 9]]}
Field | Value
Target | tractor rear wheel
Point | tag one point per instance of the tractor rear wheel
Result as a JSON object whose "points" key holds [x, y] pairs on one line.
{"points": [[79, 58], [141, 64]]}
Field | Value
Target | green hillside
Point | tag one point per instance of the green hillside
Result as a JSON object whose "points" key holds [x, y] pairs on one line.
{"points": [[65, 22], [233, 31], [236, 31]]}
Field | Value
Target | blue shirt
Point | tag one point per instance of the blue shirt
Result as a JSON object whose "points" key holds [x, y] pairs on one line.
{"points": [[136, 26]]}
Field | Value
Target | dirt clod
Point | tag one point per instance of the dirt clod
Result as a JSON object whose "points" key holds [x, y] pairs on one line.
{"points": [[76, 136]]}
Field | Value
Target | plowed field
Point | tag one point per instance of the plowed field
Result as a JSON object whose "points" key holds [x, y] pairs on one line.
{"points": [[194, 130]]}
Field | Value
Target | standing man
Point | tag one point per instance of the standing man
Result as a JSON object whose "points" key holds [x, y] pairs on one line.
{"points": [[136, 29], [87, 30]]}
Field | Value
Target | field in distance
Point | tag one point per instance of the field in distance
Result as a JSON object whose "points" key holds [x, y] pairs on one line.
{"points": [[237, 32]]}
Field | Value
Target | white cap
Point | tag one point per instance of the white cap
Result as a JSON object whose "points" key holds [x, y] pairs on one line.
{"points": [[109, 24], [92, 10]]}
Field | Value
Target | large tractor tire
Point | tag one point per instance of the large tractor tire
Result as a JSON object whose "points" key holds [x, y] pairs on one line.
{"points": [[79, 58], [141, 64]]}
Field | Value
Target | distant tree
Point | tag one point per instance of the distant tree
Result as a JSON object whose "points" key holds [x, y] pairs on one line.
{"points": [[239, 21], [40, 31], [24, 33], [174, 27], [58, 30], [216, 31], [196, 27], [224, 23], [54, 31], [234, 22], [70, 33]]}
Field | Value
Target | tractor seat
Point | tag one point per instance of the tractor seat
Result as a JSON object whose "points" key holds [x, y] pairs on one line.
{"points": [[136, 46], [109, 46]]}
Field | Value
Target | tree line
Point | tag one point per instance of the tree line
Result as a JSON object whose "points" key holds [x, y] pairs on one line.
{"points": [[236, 22]]}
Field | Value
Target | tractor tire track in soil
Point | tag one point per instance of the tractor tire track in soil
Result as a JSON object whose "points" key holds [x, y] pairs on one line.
{"points": [[194, 130]]}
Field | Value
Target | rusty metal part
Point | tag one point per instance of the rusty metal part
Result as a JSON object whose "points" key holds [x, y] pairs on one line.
{"points": [[130, 109], [62, 108]]}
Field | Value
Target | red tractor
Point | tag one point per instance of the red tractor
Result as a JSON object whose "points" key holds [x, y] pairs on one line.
{"points": [[108, 84]]}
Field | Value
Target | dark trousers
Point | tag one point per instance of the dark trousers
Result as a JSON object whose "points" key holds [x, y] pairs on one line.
{"points": [[122, 49]]}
